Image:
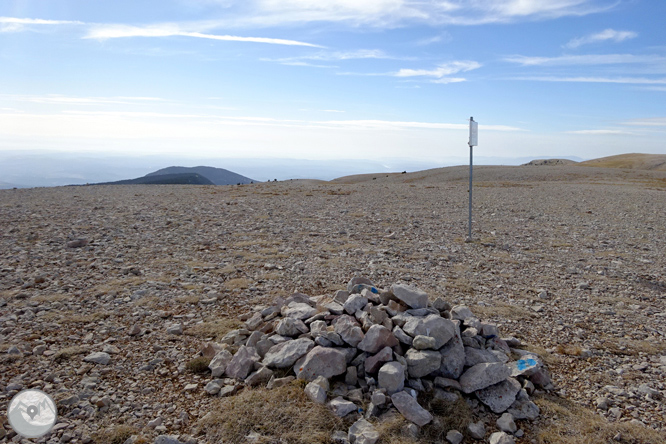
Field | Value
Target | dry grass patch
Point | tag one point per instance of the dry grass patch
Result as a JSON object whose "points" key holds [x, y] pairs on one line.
{"points": [[240, 283], [282, 415], [69, 352], [198, 365], [118, 285], [564, 422], [633, 347], [52, 298], [502, 311], [83, 318], [117, 435], [188, 299], [214, 329]]}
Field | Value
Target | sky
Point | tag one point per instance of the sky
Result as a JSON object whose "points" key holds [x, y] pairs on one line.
{"points": [[333, 79]]}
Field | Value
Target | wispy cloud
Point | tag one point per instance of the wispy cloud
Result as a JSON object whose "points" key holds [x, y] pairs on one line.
{"points": [[15, 24], [628, 80], [392, 13], [601, 132], [442, 70], [331, 56], [105, 32], [444, 37], [652, 121], [588, 59], [72, 100], [603, 36]]}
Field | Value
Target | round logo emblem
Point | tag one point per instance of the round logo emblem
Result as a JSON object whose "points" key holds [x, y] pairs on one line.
{"points": [[32, 413]]}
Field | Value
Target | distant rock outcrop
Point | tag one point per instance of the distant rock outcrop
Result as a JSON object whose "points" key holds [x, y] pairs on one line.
{"points": [[218, 176], [550, 162]]}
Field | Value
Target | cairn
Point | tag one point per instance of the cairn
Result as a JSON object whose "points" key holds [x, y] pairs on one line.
{"points": [[381, 348]]}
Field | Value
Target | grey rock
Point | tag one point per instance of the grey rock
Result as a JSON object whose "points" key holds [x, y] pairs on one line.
{"points": [[228, 390], [219, 363], [284, 355], [506, 423], [454, 437], [349, 330], [422, 362], [260, 377], [291, 327], [358, 280], [401, 336], [167, 439], [298, 310], [373, 363], [432, 325], [424, 342], [175, 329], [391, 377], [475, 356], [411, 296], [376, 338], [500, 396], [351, 377], [341, 407], [341, 296], [279, 382], [524, 409], [354, 303], [527, 365], [212, 388], [501, 438], [378, 398], [254, 322], [321, 361], [453, 357], [242, 362], [410, 408], [477, 430], [461, 312], [483, 375], [98, 358], [315, 392], [362, 432]]}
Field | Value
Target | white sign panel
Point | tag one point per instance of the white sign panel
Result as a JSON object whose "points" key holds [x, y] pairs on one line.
{"points": [[473, 133]]}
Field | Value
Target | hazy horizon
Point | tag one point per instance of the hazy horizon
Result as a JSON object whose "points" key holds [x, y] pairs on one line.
{"points": [[333, 79]]}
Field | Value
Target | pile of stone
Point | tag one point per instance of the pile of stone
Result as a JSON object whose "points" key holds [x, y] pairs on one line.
{"points": [[368, 352]]}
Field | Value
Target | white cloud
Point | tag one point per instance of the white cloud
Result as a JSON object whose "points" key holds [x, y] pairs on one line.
{"points": [[391, 13], [590, 59], [605, 35], [653, 121], [104, 32], [628, 80], [599, 132], [71, 100], [441, 71], [331, 56], [15, 24]]}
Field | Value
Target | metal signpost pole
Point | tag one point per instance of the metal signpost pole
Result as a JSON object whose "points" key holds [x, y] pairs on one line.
{"points": [[473, 141]]}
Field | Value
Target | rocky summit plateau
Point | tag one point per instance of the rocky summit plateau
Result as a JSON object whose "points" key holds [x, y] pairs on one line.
{"points": [[344, 311]]}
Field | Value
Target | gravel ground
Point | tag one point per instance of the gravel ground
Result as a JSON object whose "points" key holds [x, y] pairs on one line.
{"points": [[568, 259]]}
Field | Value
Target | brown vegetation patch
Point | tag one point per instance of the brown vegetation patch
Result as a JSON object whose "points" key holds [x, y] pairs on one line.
{"points": [[565, 422], [116, 435], [282, 415], [69, 352], [213, 329]]}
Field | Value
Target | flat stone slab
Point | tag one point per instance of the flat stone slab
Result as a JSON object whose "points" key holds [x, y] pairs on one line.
{"points": [[287, 353], [411, 296], [500, 396], [410, 408], [321, 361], [483, 375]]}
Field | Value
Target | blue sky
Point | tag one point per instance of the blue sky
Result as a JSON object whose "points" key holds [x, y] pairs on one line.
{"points": [[325, 79]]}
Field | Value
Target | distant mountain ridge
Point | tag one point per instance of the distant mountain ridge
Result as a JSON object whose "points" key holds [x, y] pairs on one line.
{"points": [[218, 176], [165, 179]]}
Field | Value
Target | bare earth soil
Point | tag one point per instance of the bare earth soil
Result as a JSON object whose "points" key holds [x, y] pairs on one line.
{"points": [[569, 260]]}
